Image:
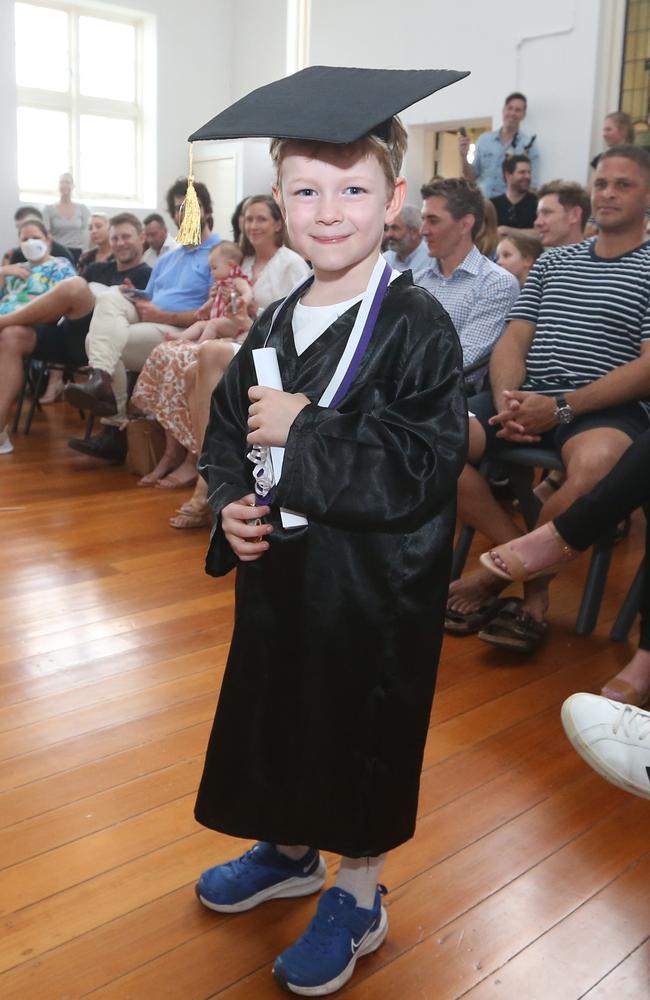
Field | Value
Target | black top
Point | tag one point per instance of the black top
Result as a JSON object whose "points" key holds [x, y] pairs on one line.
{"points": [[58, 250], [327, 104], [106, 273], [519, 216]]}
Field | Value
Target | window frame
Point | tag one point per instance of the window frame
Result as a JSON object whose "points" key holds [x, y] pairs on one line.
{"points": [[76, 104]]}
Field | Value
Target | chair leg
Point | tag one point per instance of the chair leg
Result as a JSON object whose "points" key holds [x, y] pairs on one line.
{"points": [[629, 608], [34, 405], [594, 589], [19, 405], [461, 551]]}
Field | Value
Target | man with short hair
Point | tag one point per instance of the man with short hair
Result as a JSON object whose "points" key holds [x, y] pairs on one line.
{"points": [[571, 372], [406, 248], [159, 242], [16, 256], [516, 208], [126, 328], [476, 293], [563, 209], [493, 147]]}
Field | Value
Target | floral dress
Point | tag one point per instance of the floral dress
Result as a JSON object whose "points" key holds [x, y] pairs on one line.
{"points": [[160, 390]]}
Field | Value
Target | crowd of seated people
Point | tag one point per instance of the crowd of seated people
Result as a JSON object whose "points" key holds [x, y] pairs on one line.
{"points": [[562, 321]]}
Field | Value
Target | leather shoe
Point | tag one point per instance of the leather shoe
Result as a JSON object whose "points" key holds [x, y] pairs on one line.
{"points": [[109, 444], [95, 395]]}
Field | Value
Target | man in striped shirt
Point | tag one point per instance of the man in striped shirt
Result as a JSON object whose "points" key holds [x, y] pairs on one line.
{"points": [[571, 372]]}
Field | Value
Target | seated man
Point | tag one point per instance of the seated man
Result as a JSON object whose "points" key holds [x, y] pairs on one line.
{"points": [[159, 241], [570, 372], [125, 329], [407, 251], [476, 292], [563, 210], [35, 327]]}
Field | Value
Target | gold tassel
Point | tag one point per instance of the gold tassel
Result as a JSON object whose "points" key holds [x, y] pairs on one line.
{"points": [[189, 233]]}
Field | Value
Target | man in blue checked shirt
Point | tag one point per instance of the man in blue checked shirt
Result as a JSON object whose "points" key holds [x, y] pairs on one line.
{"points": [[493, 147], [476, 292]]}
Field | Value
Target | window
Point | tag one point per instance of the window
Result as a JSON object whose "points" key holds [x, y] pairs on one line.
{"points": [[635, 89], [80, 108]]}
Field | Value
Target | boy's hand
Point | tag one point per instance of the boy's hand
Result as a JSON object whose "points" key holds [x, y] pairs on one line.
{"points": [[271, 414], [246, 540]]}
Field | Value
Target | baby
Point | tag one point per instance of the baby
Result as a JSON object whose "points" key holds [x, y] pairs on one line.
{"points": [[231, 294]]}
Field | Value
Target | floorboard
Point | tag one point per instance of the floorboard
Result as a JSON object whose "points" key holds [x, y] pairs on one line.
{"points": [[527, 879]]}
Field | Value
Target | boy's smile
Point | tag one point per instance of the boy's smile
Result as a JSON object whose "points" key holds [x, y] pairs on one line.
{"points": [[336, 207]]}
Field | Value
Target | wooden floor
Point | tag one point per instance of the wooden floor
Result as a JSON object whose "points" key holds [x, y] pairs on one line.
{"points": [[527, 880]]}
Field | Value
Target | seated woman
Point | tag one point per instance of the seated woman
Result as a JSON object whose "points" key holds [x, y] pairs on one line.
{"points": [[546, 549], [160, 389], [19, 284], [273, 270], [100, 249]]}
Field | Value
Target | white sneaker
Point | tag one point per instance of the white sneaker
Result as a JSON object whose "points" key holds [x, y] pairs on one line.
{"points": [[6, 446], [612, 738]]}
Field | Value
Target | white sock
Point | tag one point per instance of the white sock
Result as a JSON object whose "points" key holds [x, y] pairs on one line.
{"points": [[293, 852], [359, 877]]}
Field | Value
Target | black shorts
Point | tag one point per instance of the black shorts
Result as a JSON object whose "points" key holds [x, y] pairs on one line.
{"points": [[64, 344], [631, 418]]}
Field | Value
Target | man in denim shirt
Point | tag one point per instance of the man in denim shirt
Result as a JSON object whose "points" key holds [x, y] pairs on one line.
{"points": [[493, 147]]}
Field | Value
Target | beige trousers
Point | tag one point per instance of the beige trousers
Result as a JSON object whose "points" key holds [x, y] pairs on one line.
{"points": [[118, 341]]}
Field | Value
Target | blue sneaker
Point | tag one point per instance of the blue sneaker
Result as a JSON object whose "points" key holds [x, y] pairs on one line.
{"points": [[261, 873], [323, 959]]}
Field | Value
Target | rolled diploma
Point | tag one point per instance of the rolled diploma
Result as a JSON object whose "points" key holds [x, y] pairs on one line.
{"points": [[268, 374]]}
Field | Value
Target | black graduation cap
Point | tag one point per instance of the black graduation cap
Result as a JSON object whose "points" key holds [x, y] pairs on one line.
{"points": [[327, 104]]}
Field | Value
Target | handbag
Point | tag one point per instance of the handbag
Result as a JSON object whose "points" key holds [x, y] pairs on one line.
{"points": [[145, 445]]}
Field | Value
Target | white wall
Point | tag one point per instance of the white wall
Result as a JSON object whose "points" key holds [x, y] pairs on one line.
{"points": [[193, 71], [211, 52], [547, 50]]}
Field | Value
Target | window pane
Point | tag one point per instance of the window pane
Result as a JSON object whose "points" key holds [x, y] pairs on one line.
{"points": [[41, 47], [106, 59], [43, 150], [107, 156]]}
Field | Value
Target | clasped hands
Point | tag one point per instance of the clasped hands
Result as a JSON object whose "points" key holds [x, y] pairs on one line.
{"points": [[524, 416]]}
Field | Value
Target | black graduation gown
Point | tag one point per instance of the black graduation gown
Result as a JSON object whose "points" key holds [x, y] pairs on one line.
{"points": [[324, 707]]}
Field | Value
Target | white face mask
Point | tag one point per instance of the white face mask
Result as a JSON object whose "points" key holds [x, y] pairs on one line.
{"points": [[33, 249]]}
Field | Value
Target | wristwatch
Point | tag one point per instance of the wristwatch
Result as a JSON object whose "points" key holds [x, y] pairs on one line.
{"points": [[563, 411]]}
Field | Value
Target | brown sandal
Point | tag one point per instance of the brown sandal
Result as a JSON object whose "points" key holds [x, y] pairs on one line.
{"points": [[515, 629], [517, 571], [198, 519]]}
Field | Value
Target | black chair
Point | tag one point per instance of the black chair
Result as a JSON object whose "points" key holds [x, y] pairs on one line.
{"points": [[35, 374]]}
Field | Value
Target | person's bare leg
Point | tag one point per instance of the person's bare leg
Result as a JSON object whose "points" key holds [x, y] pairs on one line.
{"points": [[71, 297], [54, 389], [213, 359], [15, 342], [478, 507], [587, 457], [183, 474], [172, 457], [636, 673]]}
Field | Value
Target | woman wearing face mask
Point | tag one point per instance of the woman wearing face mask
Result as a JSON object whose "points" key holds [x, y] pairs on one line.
{"points": [[19, 284]]}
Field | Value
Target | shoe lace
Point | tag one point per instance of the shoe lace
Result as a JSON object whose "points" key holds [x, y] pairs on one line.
{"points": [[634, 722], [241, 866]]}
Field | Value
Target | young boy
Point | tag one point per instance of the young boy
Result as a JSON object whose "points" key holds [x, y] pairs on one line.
{"points": [[324, 708]]}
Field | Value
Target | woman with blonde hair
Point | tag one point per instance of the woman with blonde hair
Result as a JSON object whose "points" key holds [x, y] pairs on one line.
{"points": [[487, 238]]}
